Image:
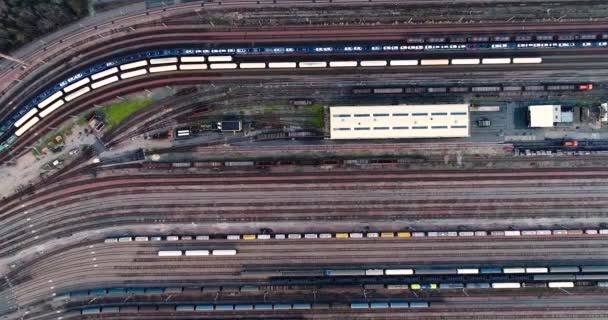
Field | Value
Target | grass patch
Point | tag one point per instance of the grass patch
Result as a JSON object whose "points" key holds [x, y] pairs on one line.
{"points": [[317, 119], [117, 112]]}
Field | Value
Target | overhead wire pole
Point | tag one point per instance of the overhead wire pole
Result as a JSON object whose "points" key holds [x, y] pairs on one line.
{"points": [[7, 57]]}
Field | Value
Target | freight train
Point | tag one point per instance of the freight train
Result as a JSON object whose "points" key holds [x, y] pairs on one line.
{"points": [[474, 89]]}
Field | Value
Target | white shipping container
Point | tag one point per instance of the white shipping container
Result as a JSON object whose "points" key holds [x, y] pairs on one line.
{"points": [[313, 64], [392, 272], [372, 235], [466, 233], [110, 240], [172, 238], [590, 231], [465, 61], [543, 232], [27, 126], [76, 85], [225, 252], [223, 66], [373, 63], [263, 236], [528, 233], [603, 231], [132, 74], [325, 235], [104, 82], [418, 234], [481, 233], [192, 59], [311, 236], [566, 284], [252, 65], [496, 60], [219, 58], [198, 66], [404, 62], [197, 252], [434, 62], [537, 270], [514, 270], [140, 239], [294, 236], [356, 235], [77, 94], [125, 239], [233, 237], [512, 233], [169, 253], [468, 271], [163, 68], [26, 117], [343, 63], [374, 272], [104, 73], [506, 285], [163, 60], [527, 60], [279, 236], [50, 99], [281, 65], [133, 65]]}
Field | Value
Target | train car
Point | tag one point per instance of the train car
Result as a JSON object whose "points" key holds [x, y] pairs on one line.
{"points": [[219, 58], [196, 253], [512, 233], [281, 65], [373, 63], [104, 82], [399, 304], [166, 60], [528, 60], [451, 285], [554, 277], [397, 287], [192, 59], [102, 74], [132, 74], [142, 239], [434, 62], [423, 286], [418, 234], [111, 240], [263, 237], [467, 271], [403, 62], [294, 236], [169, 253], [301, 306], [372, 235], [603, 276], [333, 64], [506, 285], [398, 272], [379, 305], [602, 284], [478, 285], [243, 307], [514, 270], [585, 87], [313, 64], [344, 272], [465, 61], [537, 270], [565, 284], [224, 252], [490, 270], [325, 235], [567, 269], [203, 307], [133, 65], [419, 304], [387, 234], [431, 271], [466, 234], [221, 66], [355, 235], [534, 285], [224, 307], [163, 68], [388, 90], [374, 272], [87, 311], [184, 307]]}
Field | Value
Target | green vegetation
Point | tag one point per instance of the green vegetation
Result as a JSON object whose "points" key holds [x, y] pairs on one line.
{"points": [[316, 112], [117, 112]]}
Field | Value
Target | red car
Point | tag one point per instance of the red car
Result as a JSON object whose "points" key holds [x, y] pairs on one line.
{"points": [[585, 87]]}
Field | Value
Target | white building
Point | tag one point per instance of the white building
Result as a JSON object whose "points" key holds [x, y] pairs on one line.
{"points": [[400, 121], [544, 116]]}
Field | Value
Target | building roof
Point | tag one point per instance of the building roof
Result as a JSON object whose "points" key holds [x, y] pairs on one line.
{"points": [[542, 116], [400, 121]]}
